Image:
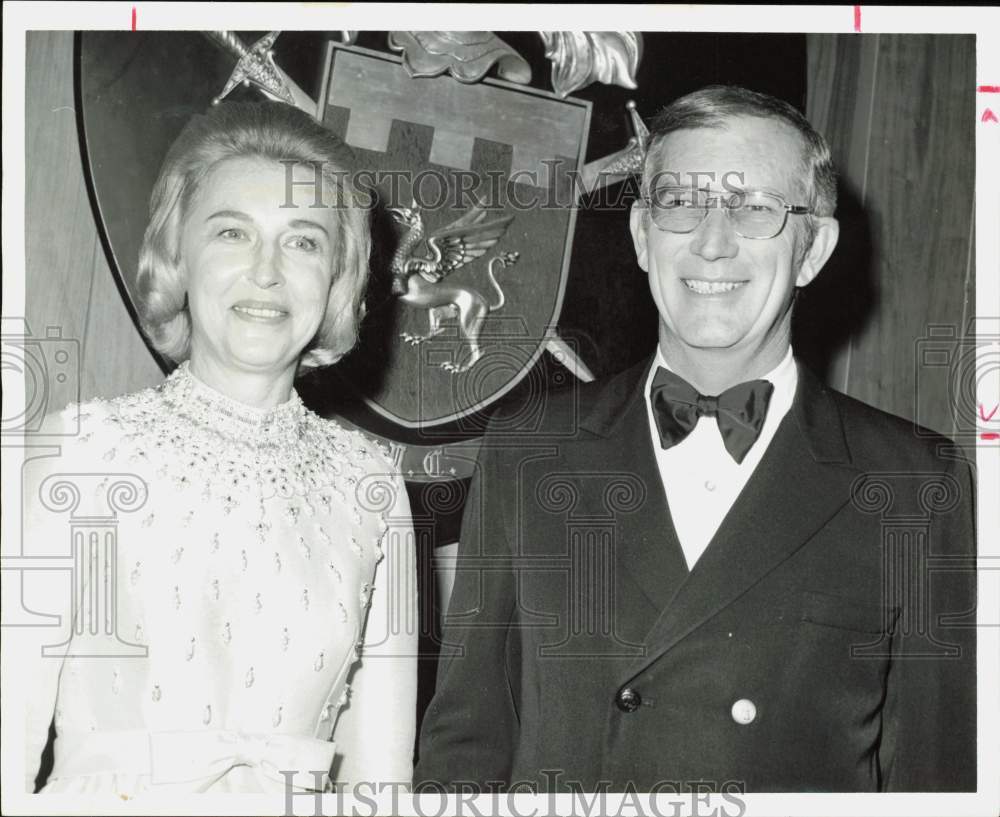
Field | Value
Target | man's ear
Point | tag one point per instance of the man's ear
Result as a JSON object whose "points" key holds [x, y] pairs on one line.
{"points": [[638, 223], [824, 242]]}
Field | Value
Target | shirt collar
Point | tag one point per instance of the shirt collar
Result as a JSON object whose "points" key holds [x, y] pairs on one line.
{"points": [[784, 376]]}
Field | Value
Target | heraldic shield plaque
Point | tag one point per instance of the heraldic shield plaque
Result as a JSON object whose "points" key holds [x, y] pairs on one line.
{"points": [[478, 179]]}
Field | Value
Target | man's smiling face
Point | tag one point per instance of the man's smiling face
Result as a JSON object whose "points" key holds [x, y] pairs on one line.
{"points": [[714, 289]]}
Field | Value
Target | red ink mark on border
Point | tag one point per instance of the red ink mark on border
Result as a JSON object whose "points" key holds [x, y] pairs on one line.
{"points": [[989, 435], [857, 18], [982, 413], [133, 18], [989, 89], [989, 116]]}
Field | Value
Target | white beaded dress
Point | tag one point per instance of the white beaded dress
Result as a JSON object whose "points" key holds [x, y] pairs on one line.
{"points": [[261, 589]]}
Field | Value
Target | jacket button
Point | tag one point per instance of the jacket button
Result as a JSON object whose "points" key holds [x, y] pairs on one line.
{"points": [[744, 711], [628, 700]]}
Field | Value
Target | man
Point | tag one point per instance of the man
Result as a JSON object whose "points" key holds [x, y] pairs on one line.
{"points": [[706, 581]]}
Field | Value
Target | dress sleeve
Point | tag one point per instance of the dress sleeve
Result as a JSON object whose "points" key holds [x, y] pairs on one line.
{"points": [[375, 733], [45, 532]]}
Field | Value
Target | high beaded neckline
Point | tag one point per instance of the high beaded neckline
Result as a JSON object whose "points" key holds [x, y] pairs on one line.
{"points": [[229, 417]]}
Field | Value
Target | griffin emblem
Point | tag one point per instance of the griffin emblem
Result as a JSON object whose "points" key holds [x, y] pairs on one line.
{"points": [[419, 278]]}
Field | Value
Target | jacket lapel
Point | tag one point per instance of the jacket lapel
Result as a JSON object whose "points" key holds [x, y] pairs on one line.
{"points": [[648, 555], [803, 479]]}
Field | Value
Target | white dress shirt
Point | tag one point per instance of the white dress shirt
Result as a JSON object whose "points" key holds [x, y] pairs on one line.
{"points": [[700, 478]]}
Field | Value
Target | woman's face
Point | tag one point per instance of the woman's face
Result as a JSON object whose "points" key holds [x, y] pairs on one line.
{"points": [[258, 273]]}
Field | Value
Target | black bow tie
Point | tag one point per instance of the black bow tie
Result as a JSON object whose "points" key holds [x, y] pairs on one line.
{"points": [[739, 411]]}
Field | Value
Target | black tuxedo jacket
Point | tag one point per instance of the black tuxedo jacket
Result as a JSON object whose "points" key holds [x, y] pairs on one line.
{"points": [[824, 641]]}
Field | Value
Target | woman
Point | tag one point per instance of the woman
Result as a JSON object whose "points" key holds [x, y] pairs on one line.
{"points": [[256, 541]]}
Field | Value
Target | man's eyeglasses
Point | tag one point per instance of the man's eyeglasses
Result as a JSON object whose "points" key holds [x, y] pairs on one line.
{"points": [[753, 213]]}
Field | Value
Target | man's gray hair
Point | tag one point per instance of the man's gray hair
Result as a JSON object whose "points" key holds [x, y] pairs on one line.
{"points": [[714, 107]]}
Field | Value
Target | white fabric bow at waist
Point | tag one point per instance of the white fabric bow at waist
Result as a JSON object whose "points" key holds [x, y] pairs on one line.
{"points": [[196, 757], [177, 757]]}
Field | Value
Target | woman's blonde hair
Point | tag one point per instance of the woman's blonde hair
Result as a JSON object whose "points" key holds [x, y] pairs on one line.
{"points": [[270, 131]]}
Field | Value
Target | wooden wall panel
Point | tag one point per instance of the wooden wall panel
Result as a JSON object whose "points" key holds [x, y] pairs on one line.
{"points": [[923, 193], [69, 283], [898, 111], [59, 231]]}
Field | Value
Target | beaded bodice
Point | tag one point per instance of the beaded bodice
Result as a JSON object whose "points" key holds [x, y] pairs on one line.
{"points": [[245, 561], [232, 450]]}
